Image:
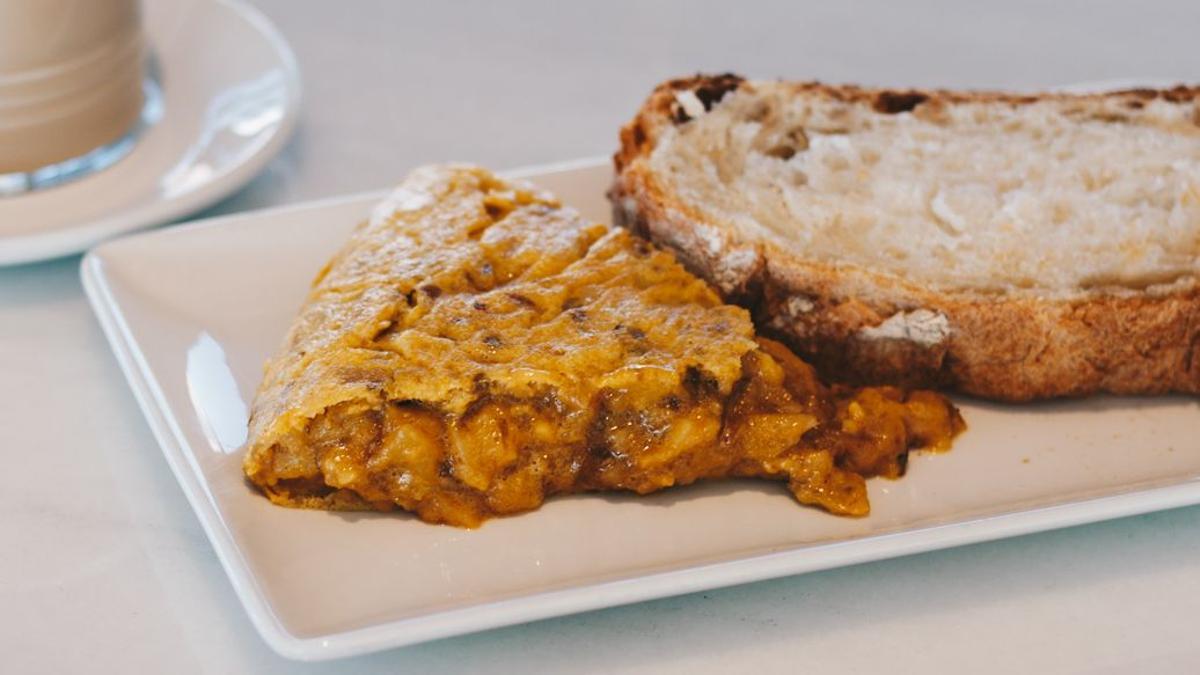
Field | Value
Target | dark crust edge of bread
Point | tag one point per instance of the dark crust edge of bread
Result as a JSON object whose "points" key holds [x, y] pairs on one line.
{"points": [[1009, 348]]}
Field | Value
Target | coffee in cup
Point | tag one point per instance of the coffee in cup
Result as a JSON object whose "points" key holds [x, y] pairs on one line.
{"points": [[71, 85]]}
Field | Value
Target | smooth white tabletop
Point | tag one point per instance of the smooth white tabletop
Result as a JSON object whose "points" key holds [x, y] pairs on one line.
{"points": [[104, 568]]}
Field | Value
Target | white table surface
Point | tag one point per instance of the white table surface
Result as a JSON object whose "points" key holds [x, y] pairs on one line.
{"points": [[104, 569]]}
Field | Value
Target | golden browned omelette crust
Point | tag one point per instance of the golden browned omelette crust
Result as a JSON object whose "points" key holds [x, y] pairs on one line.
{"points": [[475, 348], [999, 346]]}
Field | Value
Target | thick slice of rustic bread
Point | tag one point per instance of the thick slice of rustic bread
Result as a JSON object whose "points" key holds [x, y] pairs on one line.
{"points": [[1009, 246]]}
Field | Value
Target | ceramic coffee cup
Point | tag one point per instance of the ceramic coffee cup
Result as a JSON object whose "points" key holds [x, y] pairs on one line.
{"points": [[71, 87]]}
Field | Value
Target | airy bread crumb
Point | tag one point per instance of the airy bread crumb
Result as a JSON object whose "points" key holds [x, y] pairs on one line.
{"points": [[1053, 196]]}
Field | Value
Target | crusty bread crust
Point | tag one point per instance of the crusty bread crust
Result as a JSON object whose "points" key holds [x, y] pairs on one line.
{"points": [[864, 325]]}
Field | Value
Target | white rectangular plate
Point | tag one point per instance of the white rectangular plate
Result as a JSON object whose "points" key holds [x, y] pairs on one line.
{"points": [[193, 312]]}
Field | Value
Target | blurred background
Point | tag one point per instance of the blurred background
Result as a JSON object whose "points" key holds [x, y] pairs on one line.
{"points": [[389, 85]]}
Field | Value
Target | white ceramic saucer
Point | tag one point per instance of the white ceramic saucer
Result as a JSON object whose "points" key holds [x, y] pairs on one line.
{"points": [[231, 92]]}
